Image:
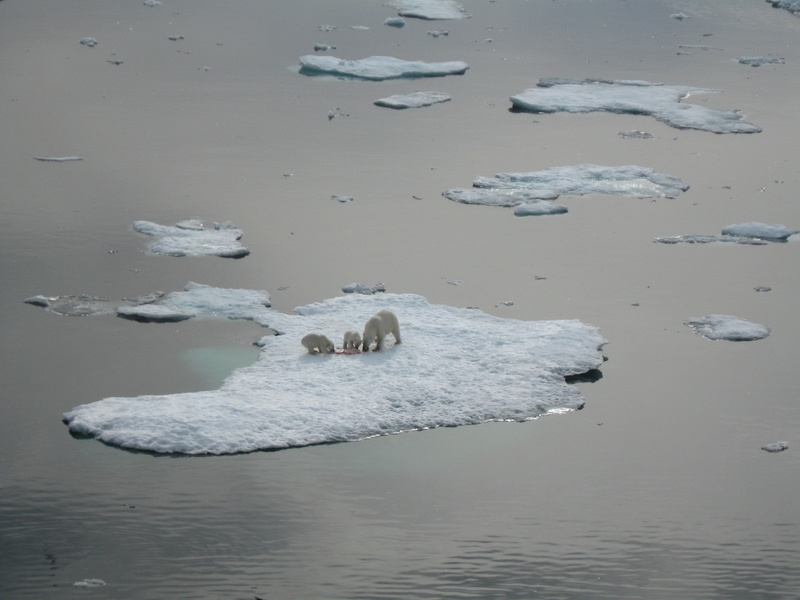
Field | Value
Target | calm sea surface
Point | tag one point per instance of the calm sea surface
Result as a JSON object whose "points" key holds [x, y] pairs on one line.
{"points": [[658, 488]]}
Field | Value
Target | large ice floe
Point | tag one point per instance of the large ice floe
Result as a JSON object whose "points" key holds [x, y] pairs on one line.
{"points": [[431, 10], [790, 5], [630, 97], [378, 68], [528, 190], [413, 100], [190, 237], [727, 327], [456, 366], [752, 233]]}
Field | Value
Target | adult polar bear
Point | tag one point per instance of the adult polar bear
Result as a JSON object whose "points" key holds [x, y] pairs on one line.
{"points": [[377, 327]]}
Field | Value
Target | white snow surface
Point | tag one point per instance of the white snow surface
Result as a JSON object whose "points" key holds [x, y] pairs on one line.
{"points": [[456, 366], [429, 9], [631, 97], [413, 100], [727, 327], [378, 68], [513, 189], [191, 238]]}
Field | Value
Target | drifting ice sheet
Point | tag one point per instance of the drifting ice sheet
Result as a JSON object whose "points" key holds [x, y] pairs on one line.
{"points": [[415, 100], [753, 233], [429, 9], [630, 97], [190, 238], [727, 327], [378, 68], [454, 367], [514, 189]]}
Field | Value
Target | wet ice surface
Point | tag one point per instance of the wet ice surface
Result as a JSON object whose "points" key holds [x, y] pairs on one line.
{"points": [[727, 327], [378, 68], [429, 9], [630, 97], [289, 398], [82, 305], [752, 233], [514, 189], [414, 100], [191, 238]]}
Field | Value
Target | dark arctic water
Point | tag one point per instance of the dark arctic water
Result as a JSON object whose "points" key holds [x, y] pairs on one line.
{"points": [[657, 489]]}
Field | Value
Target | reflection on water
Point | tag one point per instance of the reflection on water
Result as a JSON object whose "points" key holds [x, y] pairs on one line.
{"points": [[215, 363]]}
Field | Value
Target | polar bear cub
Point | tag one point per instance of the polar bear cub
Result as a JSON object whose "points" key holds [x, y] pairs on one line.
{"points": [[378, 327], [316, 342], [352, 339]]}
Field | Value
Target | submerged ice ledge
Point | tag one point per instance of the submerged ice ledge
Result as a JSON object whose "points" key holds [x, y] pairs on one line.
{"points": [[191, 238], [526, 191], [455, 367], [378, 68], [630, 97]]}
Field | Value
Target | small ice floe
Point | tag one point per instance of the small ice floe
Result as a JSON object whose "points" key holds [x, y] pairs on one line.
{"points": [[323, 47], [695, 238], [191, 238], [513, 189], [358, 288], [176, 38], [438, 33], [762, 231], [679, 16], [395, 22], [790, 5], [151, 3], [456, 366], [431, 10], [414, 100], [342, 198], [82, 305], [89, 41], [58, 158], [359, 27], [762, 288], [198, 301], [697, 47], [538, 208], [115, 62], [727, 327], [336, 112], [635, 134], [89, 583], [378, 68], [757, 61], [630, 97], [776, 447], [326, 28]]}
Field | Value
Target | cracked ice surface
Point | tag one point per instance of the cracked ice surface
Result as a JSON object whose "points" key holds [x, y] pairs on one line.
{"points": [[630, 97], [501, 369], [378, 68], [190, 238]]}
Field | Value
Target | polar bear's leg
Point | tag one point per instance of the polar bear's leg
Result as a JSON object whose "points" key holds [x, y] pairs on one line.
{"points": [[390, 324]]}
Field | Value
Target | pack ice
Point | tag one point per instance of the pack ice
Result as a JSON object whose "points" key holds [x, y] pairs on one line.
{"points": [[190, 237], [630, 97], [429, 9], [378, 68], [455, 367], [528, 190], [727, 327]]}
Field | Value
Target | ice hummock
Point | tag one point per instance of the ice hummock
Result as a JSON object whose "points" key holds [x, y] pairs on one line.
{"points": [[378, 68], [727, 327], [456, 366], [752, 233], [431, 10], [630, 97], [413, 100], [190, 237], [515, 189]]}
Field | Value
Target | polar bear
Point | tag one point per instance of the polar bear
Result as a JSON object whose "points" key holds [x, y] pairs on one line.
{"points": [[378, 327], [316, 342], [352, 339]]}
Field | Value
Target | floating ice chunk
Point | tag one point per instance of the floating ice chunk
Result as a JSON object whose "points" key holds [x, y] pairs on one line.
{"points": [[537, 208], [58, 158], [630, 97], [727, 327], [438, 32], [760, 231], [708, 239], [151, 3], [89, 41], [342, 198], [191, 238], [501, 370], [378, 68], [431, 10], [776, 447], [323, 47], [757, 61], [415, 100], [74, 306], [358, 288], [679, 16], [395, 22], [198, 300], [790, 5], [635, 134], [499, 196], [90, 583]]}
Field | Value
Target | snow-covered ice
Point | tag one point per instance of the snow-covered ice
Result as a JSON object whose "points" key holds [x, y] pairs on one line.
{"points": [[727, 327], [513, 189], [360, 288], [630, 97], [431, 10], [456, 366], [378, 68], [776, 447], [414, 100], [191, 238]]}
